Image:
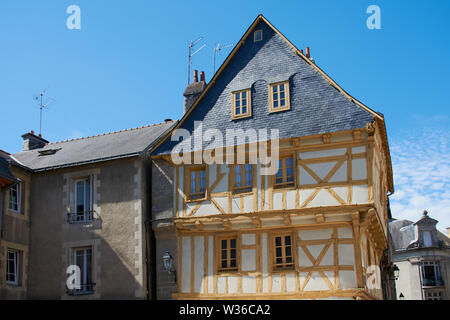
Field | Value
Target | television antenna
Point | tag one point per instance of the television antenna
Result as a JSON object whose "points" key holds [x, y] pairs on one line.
{"points": [[217, 49], [191, 54], [40, 98]]}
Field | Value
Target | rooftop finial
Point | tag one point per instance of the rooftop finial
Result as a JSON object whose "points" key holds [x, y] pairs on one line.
{"points": [[425, 213]]}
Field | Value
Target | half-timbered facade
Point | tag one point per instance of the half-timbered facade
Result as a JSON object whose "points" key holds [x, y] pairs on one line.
{"points": [[312, 228]]}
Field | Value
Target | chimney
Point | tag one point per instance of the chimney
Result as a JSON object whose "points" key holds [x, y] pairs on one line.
{"points": [[195, 75], [307, 52], [32, 141], [448, 232], [193, 90]]}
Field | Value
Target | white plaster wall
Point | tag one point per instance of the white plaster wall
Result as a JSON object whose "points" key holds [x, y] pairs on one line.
{"points": [[346, 254], [276, 283], [360, 194], [290, 199], [316, 283], [235, 205], [221, 284], [315, 234], [248, 239], [277, 200], [346, 233], [248, 284], [323, 153], [340, 174], [186, 265], [210, 264], [347, 280], [199, 258], [290, 282], [322, 169], [359, 169], [206, 209], [359, 149], [248, 259], [323, 199], [223, 184], [232, 284], [248, 204], [305, 177], [265, 280]]}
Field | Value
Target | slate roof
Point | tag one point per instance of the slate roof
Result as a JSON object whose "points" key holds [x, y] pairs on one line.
{"points": [[114, 145], [318, 104], [5, 173]]}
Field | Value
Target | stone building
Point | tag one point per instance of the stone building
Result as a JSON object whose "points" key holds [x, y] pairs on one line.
{"points": [[88, 206], [422, 253], [15, 226], [314, 228]]}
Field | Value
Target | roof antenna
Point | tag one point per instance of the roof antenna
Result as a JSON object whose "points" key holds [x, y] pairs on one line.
{"points": [[39, 97], [191, 54], [217, 49]]}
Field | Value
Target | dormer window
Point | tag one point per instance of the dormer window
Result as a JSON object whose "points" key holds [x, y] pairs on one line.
{"points": [[257, 35], [279, 96], [241, 104]]}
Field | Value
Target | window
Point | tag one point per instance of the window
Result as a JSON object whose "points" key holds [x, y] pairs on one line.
{"points": [[196, 183], [83, 259], [431, 274], [257, 35], [283, 255], [15, 197], [427, 242], [279, 96], [436, 295], [241, 104], [243, 178], [12, 267], [83, 203], [285, 176], [228, 254]]}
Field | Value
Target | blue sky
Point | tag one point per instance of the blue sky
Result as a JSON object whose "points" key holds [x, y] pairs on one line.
{"points": [[127, 67]]}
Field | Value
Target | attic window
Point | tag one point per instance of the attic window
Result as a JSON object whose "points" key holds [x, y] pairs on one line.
{"points": [[48, 152], [279, 96], [257, 35], [241, 104]]}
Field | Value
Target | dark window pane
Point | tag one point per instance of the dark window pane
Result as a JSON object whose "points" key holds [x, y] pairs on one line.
{"points": [[278, 241], [278, 252], [233, 243], [244, 110], [281, 87], [232, 263], [288, 259], [233, 253], [224, 254], [288, 251], [224, 244], [275, 89], [238, 95], [287, 240], [279, 261], [224, 263]]}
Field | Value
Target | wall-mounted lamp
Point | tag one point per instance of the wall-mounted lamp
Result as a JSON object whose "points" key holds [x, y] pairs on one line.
{"points": [[168, 264], [396, 271]]}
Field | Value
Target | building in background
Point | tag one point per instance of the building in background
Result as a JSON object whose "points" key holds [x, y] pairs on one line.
{"points": [[315, 229], [88, 204], [422, 253], [15, 227]]}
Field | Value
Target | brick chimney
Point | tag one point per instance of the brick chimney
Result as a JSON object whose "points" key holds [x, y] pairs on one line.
{"points": [[32, 141], [193, 90]]}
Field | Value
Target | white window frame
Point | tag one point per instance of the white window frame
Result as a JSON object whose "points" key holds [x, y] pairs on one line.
{"points": [[87, 203], [16, 267], [18, 187], [84, 281]]}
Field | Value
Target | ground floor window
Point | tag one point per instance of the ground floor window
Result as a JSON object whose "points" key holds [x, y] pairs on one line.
{"points": [[12, 267]]}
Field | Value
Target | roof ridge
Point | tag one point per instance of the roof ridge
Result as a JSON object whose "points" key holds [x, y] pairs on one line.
{"points": [[112, 132]]}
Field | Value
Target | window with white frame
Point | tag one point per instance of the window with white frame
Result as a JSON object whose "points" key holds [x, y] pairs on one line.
{"points": [[12, 267], [82, 257], [15, 197], [83, 201]]}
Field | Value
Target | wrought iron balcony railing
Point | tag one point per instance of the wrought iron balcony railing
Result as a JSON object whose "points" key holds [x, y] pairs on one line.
{"points": [[87, 288], [432, 282], [81, 217]]}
